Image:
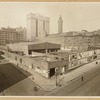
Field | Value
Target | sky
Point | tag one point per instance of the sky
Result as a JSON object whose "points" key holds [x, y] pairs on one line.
{"points": [[76, 16]]}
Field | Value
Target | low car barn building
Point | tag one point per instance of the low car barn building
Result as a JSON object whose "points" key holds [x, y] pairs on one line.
{"points": [[47, 65], [27, 48]]}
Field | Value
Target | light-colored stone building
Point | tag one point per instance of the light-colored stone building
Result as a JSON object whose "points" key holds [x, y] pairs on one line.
{"points": [[40, 27], [31, 27], [37, 27]]}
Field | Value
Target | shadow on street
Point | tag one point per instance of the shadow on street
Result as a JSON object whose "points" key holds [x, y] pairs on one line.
{"points": [[9, 75]]}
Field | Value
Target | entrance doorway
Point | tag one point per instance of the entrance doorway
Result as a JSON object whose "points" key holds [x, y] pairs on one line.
{"points": [[52, 72]]}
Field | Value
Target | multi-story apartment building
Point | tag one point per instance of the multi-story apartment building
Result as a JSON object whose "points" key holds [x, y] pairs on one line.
{"points": [[3, 37], [11, 35], [78, 42]]}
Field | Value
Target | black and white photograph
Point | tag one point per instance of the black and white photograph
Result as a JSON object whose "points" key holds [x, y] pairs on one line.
{"points": [[50, 49]]}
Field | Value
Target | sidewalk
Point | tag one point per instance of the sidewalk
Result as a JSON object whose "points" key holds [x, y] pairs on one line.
{"points": [[44, 83], [50, 84], [85, 69]]}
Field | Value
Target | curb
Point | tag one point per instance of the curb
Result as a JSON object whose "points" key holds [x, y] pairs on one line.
{"points": [[65, 83]]}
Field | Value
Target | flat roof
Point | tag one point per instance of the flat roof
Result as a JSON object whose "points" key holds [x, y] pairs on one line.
{"points": [[36, 45], [45, 58], [30, 43]]}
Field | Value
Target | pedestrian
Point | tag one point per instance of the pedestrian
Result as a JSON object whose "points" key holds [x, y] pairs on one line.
{"points": [[35, 88], [82, 78], [96, 62], [32, 78]]}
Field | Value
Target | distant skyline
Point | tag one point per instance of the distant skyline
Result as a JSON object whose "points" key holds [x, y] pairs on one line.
{"points": [[76, 16]]}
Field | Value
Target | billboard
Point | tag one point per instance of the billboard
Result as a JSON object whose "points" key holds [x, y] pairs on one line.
{"points": [[73, 64], [98, 56], [73, 57], [82, 61], [97, 51], [86, 54], [89, 59], [91, 53]]}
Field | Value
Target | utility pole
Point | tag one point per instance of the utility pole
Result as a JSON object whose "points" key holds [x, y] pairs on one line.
{"points": [[46, 49], [57, 73], [56, 80]]}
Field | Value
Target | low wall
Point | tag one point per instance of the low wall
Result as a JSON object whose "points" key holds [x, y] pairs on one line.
{"points": [[36, 65]]}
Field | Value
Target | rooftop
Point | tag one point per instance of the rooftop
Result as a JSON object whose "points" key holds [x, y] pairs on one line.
{"points": [[30, 43]]}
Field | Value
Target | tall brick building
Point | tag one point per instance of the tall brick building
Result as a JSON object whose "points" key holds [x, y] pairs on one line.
{"points": [[11, 35], [74, 42]]}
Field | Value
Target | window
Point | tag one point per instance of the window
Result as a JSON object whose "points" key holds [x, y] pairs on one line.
{"points": [[20, 60], [62, 58], [38, 67], [32, 66], [15, 58]]}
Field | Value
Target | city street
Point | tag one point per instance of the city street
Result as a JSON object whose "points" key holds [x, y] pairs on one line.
{"points": [[9, 76], [87, 88], [90, 88], [14, 82]]}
